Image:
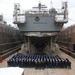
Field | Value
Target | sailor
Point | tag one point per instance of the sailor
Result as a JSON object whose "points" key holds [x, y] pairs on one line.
{"points": [[50, 63], [62, 63], [16, 62], [65, 63], [32, 62], [47, 62], [10, 62], [13, 62], [56, 62], [19, 62], [44, 62], [59, 63], [29, 62], [68, 63], [53, 63], [24, 62], [36, 63]]}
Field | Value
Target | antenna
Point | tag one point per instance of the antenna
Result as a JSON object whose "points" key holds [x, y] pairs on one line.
{"points": [[39, 1], [51, 4]]}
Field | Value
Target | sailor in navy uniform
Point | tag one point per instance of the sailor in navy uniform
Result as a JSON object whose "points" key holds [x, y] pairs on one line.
{"points": [[14, 62], [36, 63], [68, 63], [44, 62]]}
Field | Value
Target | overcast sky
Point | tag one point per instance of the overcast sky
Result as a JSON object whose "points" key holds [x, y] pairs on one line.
{"points": [[7, 8]]}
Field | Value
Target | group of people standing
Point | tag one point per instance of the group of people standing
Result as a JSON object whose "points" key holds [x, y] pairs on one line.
{"points": [[39, 61]]}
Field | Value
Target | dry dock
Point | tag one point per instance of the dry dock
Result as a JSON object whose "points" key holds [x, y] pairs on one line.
{"points": [[47, 71]]}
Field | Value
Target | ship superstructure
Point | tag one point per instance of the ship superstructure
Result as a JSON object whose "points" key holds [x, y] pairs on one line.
{"points": [[40, 27]]}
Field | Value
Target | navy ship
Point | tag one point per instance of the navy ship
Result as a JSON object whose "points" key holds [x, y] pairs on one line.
{"points": [[40, 27]]}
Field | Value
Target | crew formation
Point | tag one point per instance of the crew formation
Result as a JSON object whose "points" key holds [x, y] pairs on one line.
{"points": [[39, 61]]}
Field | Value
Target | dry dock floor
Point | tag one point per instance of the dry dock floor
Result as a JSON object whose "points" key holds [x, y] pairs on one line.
{"points": [[47, 71]]}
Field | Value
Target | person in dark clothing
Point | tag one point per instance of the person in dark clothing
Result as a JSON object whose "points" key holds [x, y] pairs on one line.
{"points": [[44, 63], [62, 63], [19, 62], [36, 63], [59, 63], [29, 62], [68, 63], [48, 63], [32, 62], [39, 63], [56, 61], [10, 62], [65, 63], [16, 62], [24, 62], [53, 63]]}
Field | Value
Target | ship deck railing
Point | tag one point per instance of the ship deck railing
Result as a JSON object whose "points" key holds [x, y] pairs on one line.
{"points": [[37, 12]]}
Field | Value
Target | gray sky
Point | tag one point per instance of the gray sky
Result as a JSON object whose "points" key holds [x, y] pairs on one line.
{"points": [[7, 8]]}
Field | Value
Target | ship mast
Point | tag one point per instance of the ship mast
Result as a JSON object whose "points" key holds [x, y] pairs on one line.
{"points": [[40, 7]]}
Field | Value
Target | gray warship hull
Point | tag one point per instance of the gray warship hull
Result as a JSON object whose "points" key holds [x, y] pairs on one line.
{"points": [[40, 27]]}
